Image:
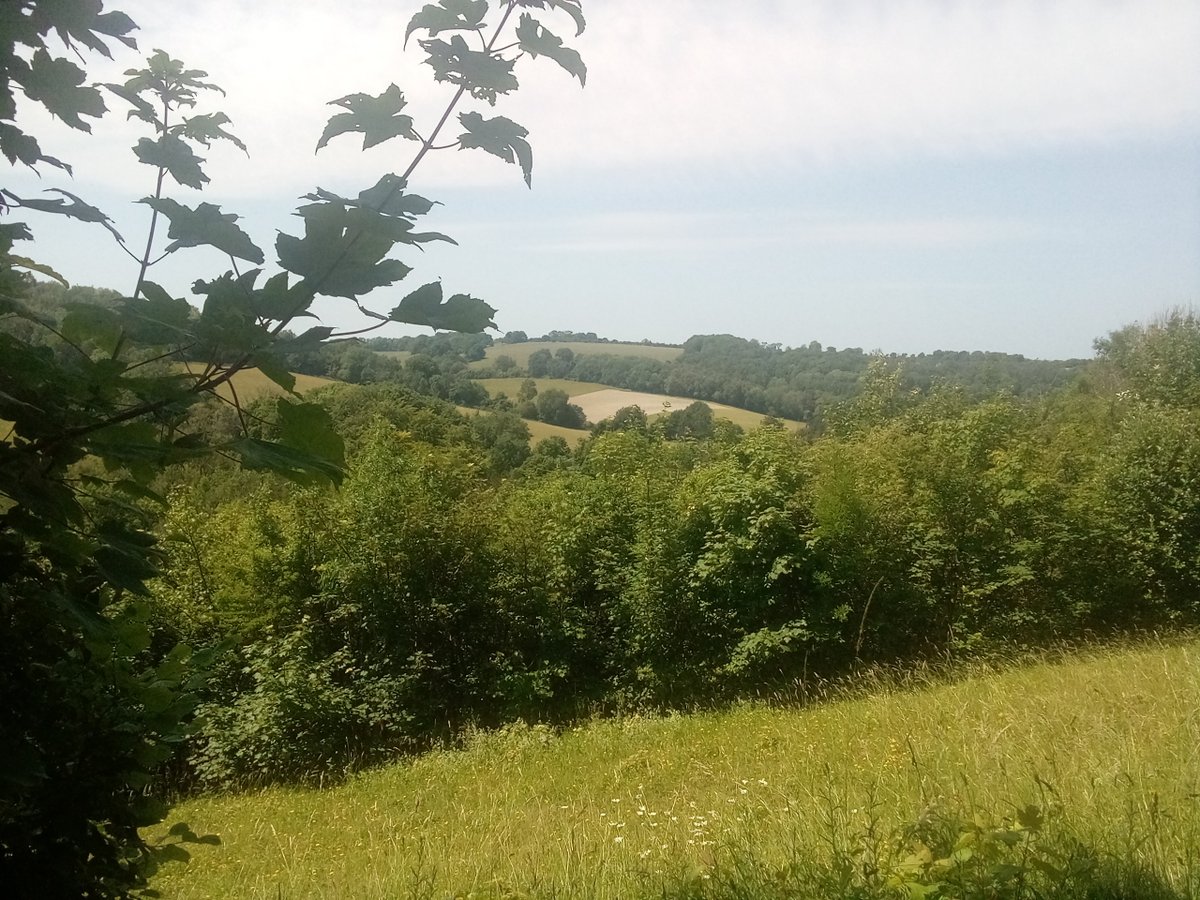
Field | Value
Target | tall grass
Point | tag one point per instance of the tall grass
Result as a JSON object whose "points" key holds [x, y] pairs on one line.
{"points": [[755, 801]]}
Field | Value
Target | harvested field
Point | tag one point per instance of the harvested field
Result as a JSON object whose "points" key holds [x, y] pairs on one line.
{"points": [[600, 405]]}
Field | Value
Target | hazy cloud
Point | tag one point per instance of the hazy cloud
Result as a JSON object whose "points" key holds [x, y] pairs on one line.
{"points": [[695, 83], [660, 232]]}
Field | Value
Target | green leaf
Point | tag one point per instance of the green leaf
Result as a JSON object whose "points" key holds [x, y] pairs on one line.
{"points": [[388, 197], [22, 262], [377, 119], [537, 41], [84, 22], [142, 108], [309, 428], [156, 318], [57, 85], [12, 232], [500, 137], [480, 72], [173, 154], [342, 252], [134, 489], [124, 558], [570, 7], [277, 301], [312, 338], [461, 312], [205, 225], [297, 465], [228, 320], [448, 15], [1031, 818], [87, 324], [19, 147], [75, 209], [207, 128], [272, 366]]}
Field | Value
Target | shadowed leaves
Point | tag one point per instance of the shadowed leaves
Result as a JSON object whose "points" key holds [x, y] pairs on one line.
{"points": [[500, 137], [205, 225], [424, 306], [536, 40], [483, 74], [448, 15], [377, 119]]}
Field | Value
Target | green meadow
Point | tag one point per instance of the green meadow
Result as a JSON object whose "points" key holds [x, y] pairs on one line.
{"points": [[1074, 776]]}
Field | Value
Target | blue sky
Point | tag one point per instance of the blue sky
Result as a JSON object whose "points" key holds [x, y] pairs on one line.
{"points": [[909, 176]]}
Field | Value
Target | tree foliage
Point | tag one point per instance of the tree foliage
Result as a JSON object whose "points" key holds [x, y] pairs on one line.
{"points": [[98, 399]]}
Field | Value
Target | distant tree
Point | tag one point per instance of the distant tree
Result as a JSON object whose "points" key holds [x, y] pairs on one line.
{"points": [[540, 363], [527, 391], [505, 436], [694, 421], [564, 360], [514, 337], [630, 418], [504, 363], [554, 407], [550, 454]]}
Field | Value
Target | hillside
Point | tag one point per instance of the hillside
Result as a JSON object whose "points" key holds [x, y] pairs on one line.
{"points": [[251, 383], [736, 802], [797, 383], [520, 353]]}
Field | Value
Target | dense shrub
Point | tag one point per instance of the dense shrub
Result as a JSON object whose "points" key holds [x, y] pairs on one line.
{"points": [[451, 584]]}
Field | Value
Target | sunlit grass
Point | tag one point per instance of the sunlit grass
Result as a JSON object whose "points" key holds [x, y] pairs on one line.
{"points": [[630, 807]]}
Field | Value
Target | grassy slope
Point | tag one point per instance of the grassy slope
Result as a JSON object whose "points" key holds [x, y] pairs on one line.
{"points": [[251, 382], [624, 808]]}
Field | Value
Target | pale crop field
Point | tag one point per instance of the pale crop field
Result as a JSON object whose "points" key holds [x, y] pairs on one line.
{"points": [[751, 801], [599, 401], [601, 404]]}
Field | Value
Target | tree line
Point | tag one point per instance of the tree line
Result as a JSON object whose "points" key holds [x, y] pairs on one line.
{"points": [[443, 588]]}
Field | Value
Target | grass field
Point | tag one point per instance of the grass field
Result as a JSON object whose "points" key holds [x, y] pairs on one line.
{"points": [[251, 383], [521, 352], [759, 801], [540, 430]]}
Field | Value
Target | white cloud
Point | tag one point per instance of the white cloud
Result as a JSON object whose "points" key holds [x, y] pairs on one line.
{"points": [[710, 85], [822, 82]]}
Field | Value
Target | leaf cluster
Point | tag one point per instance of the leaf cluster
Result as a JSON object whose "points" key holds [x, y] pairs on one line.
{"points": [[98, 400]]}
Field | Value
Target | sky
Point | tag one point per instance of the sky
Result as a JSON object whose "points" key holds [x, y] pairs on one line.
{"points": [[910, 175]]}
